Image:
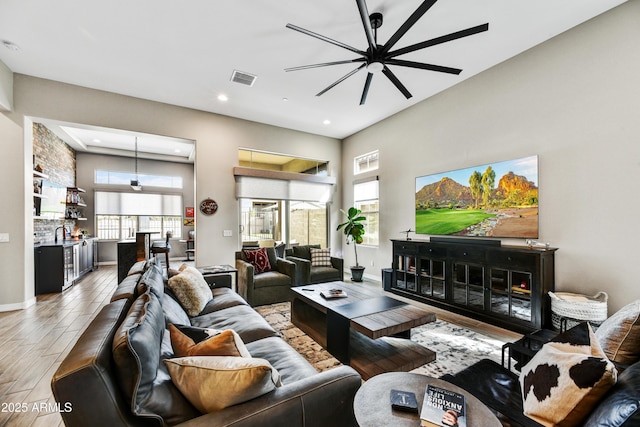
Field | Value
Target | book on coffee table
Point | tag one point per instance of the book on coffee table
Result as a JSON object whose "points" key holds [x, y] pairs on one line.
{"points": [[443, 408], [333, 293]]}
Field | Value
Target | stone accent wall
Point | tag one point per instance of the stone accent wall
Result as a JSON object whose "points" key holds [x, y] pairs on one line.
{"points": [[56, 158], [58, 162]]}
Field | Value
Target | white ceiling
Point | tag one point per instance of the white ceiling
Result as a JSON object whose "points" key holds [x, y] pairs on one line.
{"points": [[184, 53]]}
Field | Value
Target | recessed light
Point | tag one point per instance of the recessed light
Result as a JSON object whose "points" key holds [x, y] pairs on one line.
{"points": [[222, 97], [326, 122], [177, 150], [97, 141], [285, 99], [10, 45]]}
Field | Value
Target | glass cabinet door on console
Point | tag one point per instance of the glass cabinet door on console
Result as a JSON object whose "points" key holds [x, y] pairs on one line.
{"points": [[406, 273], [432, 277], [468, 285], [511, 293]]}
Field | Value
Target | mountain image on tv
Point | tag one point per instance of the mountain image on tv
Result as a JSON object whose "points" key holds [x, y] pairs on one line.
{"points": [[493, 200]]}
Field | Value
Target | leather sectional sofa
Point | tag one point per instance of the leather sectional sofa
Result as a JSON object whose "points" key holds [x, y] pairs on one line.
{"points": [[103, 390]]}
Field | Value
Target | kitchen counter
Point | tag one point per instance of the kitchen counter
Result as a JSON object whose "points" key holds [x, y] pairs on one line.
{"points": [[62, 243]]}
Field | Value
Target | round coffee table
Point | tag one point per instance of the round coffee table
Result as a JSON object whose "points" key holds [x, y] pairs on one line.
{"points": [[372, 404]]}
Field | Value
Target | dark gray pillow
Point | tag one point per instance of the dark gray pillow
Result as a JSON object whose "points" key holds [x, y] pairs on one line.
{"points": [[304, 251], [136, 353]]}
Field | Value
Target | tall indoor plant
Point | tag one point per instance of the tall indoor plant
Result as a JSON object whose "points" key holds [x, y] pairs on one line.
{"points": [[354, 230]]}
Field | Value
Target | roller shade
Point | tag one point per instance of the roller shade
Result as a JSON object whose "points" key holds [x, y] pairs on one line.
{"points": [[284, 186], [112, 203]]}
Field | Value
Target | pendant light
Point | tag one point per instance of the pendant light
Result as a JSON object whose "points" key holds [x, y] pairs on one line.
{"points": [[135, 183]]}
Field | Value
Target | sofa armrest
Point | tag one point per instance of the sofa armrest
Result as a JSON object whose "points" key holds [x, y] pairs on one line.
{"points": [[324, 399], [289, 268], [245, 279], [338, 264], [303, 270]]}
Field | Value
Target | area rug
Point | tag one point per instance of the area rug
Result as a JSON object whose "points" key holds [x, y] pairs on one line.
{"points": [[456, 347]]}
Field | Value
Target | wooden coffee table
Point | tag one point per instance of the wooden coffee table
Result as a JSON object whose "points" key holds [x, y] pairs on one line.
{"points": [[365, 330]]}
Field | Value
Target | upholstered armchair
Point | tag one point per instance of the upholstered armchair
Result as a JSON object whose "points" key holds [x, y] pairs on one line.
{"points": [[264, 278], [315, 265]]}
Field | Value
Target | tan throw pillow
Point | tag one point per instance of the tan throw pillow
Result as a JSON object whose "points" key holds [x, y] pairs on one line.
{"points": [[206, 342], [320, 257], [212, 383], [619, 335], [191, 289], [565, 379]]}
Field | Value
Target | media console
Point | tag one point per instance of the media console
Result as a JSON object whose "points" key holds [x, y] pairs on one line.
{"points": [[503, 285]]}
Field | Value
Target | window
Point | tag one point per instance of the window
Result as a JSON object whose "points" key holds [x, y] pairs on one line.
{"points": [[121, 215], [365, 198], [365, 163], [124, 178]]}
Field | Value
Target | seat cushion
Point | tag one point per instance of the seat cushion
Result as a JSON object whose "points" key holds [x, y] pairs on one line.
{"points": [[324, 274], [291, 365], [241, 318], [222, 298], [270, 279]]}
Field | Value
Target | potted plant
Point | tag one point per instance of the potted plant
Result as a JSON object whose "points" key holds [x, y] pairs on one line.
{"points": [[354, 230]]}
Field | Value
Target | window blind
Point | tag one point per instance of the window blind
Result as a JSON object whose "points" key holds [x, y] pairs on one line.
{"points": [[113, 203]]}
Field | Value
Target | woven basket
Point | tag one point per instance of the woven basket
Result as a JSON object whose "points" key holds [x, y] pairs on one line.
{"points": [[578, 307]]}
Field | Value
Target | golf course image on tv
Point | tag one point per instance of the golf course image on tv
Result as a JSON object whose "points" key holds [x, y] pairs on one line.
{"points": [[492, 200]]}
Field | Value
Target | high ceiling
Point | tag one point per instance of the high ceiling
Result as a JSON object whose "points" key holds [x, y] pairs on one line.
{"points": [[184, 53]]}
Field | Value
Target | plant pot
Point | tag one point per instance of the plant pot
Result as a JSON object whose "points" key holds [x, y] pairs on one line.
{"points": [[356, 273]]}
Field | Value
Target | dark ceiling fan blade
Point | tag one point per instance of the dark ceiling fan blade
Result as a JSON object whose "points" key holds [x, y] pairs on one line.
{"points": [[325, 64], [423, 66], [415, 16], [387, 72], [366, 22], [326, 39], [365, 91], [341, 79], [438, 40]]}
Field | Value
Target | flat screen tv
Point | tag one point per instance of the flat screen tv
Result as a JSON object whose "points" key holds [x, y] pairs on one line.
{"points": [[492, 200]]}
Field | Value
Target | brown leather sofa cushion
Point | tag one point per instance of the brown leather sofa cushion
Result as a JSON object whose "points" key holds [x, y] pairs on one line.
{"points": [[143, 379]]}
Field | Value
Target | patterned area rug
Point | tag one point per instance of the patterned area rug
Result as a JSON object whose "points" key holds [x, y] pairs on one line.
{"points": [[456, 347]]}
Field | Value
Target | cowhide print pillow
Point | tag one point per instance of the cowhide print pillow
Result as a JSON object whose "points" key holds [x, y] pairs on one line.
{"points": [[565, 379]]}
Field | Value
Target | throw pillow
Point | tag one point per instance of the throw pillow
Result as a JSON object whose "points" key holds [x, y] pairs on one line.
{"points": [[564, 380], [320, 257], [212, 383], [259, 259], [619, 335], [280, 250], [191, 290], [192, 341]]}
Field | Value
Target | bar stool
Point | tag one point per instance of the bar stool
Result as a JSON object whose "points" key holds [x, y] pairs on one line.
{"points": [[162, 247]]}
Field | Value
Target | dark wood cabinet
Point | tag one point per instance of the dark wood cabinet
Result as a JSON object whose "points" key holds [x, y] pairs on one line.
{"points": [[59, 266], [502, 285]]}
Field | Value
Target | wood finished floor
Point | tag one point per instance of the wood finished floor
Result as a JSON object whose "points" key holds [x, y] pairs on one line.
{"points": [[35, 341]]}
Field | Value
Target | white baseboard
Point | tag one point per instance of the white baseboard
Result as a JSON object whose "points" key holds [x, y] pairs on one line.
{"points": [[18, 306]]}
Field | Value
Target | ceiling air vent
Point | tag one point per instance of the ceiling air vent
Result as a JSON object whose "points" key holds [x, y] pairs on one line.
{"points": [[243, 78]]}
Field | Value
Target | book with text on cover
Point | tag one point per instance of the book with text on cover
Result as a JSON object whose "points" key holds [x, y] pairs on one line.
{"points": [[443, 408]]}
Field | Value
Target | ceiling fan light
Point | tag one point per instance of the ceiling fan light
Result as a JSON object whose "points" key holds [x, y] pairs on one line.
{"points": [[375, 67]]}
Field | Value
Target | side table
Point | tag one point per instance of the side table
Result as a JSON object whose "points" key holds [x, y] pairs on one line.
{"points": [[221, 270], [526, 347], [372, 403]]}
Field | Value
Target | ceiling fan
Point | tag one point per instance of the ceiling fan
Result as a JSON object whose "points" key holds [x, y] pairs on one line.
{"points": [[376, 57]]}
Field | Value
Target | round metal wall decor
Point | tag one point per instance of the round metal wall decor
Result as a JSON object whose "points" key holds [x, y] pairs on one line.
{"points": [[208, 206]]}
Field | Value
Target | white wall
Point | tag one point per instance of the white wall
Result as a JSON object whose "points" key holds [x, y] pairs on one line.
{"points": [[574, 101], [217, 141]]}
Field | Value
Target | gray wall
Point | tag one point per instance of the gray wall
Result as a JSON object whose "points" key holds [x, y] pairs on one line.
{"points": [[87, 164], [217, 141], [574, 101]]}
